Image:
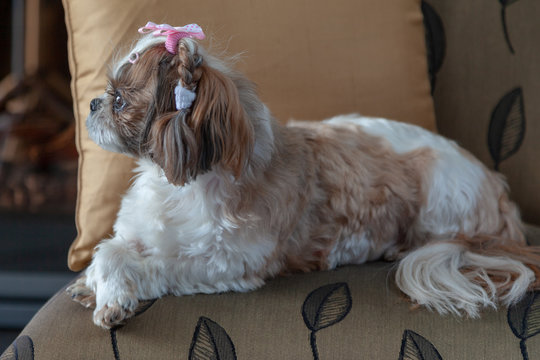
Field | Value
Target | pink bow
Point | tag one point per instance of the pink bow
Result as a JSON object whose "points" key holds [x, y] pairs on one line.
{"points": [[174, 34]]}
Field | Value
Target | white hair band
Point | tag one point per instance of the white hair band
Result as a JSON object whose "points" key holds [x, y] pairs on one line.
{"points": [[184, 97]]}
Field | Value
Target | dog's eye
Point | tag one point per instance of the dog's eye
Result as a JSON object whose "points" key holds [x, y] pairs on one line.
{"points": [[119, 104]]}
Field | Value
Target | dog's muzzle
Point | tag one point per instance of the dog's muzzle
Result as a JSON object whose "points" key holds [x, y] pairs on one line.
{"points": [[95, 104]]}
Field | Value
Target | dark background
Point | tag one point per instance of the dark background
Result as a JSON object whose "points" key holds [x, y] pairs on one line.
{"points": [[35, 235]]}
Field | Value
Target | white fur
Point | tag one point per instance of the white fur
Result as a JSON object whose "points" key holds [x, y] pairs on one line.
{"points": [[453, 182], [357, 249], [102, 131], [169, 240], [141, 44], [430, 276], [186, 244]]}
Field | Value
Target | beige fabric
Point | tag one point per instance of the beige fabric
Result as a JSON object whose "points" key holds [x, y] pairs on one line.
{"points": [[478, 71], [268, 324], [310, 59]]}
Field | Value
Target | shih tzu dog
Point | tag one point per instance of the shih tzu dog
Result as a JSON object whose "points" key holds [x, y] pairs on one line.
{"points": [[225, 197]]}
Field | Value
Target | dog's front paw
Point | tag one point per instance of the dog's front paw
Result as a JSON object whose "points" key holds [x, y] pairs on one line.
{"points": [[81, 293], [110, 316]]}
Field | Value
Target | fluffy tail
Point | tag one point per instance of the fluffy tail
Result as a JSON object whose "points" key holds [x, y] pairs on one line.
{"points": [[466, 274]]}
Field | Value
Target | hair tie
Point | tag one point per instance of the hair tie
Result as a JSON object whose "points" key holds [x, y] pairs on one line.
{"points": [[134, 57], [184, 98]]}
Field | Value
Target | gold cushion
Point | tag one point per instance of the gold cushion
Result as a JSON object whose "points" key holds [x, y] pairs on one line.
{"points": [[311, 60]]}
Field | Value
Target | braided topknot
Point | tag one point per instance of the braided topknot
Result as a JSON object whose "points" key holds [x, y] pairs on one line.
{"points": [[189, 63]]}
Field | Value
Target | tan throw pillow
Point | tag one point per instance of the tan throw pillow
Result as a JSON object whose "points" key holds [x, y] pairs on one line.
{"points": [[310, 60]]}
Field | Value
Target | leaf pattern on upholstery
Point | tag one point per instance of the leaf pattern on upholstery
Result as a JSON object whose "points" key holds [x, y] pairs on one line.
{"points": [[211, 342], [143, 306], [507, 126], [21, 349], [524, 319], [416, 347], [114, 344], [324, 307], [504, 5], [435, 41]]}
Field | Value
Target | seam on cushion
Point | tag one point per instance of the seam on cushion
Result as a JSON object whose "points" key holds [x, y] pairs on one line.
{"points": [[75, 96]]}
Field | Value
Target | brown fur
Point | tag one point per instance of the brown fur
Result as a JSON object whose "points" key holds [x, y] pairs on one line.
{"points": [[501, 246], [220, 124], [184, 143], [145, 87], [216, 132], [333, 203]]}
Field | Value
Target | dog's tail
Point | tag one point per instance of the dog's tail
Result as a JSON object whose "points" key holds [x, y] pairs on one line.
{"points": [[490, 265], [465, 274]]}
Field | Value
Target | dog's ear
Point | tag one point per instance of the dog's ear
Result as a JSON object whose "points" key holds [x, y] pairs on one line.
{"points": [[219, 122], [213, 130], [174, 148]]}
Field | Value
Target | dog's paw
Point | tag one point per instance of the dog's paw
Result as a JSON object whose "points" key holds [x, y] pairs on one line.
{"points": [[81, 293], [112, 316]]}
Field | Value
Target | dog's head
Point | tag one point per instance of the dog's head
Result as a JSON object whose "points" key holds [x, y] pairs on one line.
{"points": [[183, 109]]}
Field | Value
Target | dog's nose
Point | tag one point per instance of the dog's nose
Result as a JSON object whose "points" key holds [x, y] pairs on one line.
{"points": [[95, 104]]}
